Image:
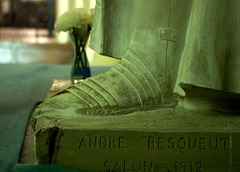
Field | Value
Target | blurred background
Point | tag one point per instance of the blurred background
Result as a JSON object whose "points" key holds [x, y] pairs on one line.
{"points": [[27, 33]]}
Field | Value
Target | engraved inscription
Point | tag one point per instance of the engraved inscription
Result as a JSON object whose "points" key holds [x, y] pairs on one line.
{"points": [[155, 152], [103, 142], [187, 166], [150, 166], [127, 166], [188, 143]]}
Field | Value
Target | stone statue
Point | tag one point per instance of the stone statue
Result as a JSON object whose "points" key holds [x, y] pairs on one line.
{"points": [[172, 42], [179, 60]]}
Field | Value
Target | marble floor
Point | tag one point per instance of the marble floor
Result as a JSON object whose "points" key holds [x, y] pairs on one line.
{"points": [[24, 46]]}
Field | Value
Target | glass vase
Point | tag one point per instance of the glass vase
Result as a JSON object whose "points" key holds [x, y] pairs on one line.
{"points": [[80, 68]]}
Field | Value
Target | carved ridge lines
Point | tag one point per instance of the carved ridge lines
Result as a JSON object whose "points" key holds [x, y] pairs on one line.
{"points": [[146, 70], [139, 97], [143, 76], [87, 85], [107, 109], [137, 79], [104, 90], [81, 99], [88, 95]]}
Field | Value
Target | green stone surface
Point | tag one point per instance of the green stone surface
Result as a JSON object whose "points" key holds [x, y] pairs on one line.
{"points": [[172, 140]]}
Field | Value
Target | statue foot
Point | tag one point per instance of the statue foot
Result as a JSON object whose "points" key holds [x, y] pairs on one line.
{"points": [[129, 86], [143, 79]]}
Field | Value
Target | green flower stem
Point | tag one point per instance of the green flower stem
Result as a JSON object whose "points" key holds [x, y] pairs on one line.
{"points": [[83, 44], [85, 57], [78, 44]]}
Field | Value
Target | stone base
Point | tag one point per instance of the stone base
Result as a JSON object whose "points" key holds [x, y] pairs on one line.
{"points": [[166, 140]]}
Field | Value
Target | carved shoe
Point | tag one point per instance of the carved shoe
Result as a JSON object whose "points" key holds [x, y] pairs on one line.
{"points": [[143, 79]]}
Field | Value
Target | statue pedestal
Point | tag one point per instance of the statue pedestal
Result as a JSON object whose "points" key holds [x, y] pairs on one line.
{"points": [[169, 140]]}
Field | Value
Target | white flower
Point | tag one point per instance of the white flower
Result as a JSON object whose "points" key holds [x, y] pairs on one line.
{"points": [[78, 18]]}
